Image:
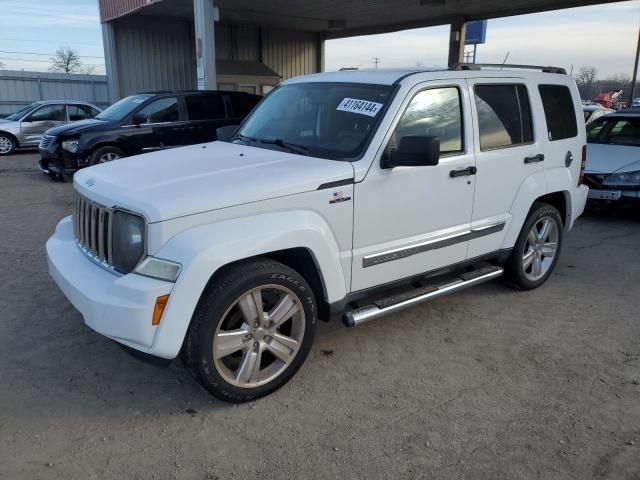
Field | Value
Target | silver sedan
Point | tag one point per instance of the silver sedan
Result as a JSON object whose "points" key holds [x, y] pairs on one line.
{"points": [[25, 127]]}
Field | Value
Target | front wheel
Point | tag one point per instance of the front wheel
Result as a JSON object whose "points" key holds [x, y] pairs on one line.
{"points": [[537, 249], [105, 154], [7, 144], [251, 331]]}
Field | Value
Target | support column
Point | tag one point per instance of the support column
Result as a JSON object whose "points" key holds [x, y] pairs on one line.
{"points": [[320, 53], [204, 16], [634, 77], [456, 41], [111, 61]]}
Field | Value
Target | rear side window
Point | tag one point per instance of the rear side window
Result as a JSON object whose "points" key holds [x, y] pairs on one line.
{"points": [[243, 104], [558, 111], [504, 116], [205, 107], [76, 113]]}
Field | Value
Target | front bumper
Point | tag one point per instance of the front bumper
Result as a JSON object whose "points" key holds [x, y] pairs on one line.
{"points": [[119, 307]]}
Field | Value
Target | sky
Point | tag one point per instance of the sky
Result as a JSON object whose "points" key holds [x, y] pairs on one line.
{"points": [[603, 36]]}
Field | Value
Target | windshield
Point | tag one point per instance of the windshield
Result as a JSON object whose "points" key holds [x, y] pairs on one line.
{"points": [[615, 131], [122, 108], [327, 120], [17, 115]]}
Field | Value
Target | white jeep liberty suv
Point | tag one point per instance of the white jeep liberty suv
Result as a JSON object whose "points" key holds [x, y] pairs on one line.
{"points": [[353, 193]]}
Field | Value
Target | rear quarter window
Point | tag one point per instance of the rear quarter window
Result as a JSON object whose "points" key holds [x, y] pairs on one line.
{"points": [[243, 104], [559, 111]]}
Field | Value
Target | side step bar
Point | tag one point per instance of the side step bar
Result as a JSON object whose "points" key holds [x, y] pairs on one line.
{"points": [[415, 296]]}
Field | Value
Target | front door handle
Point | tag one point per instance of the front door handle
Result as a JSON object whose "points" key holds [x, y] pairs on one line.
{"points": [[463, 172], [534, 158]]}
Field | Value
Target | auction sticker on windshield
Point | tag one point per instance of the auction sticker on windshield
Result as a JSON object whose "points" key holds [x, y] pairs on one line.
{"points": [[363, 107]]}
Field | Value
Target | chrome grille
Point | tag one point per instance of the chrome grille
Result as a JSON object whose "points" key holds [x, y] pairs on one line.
{"points": [[46, 141], [92, 225]]}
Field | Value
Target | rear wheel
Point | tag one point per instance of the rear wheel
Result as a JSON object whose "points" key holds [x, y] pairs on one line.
{"points": [[105, 154], [536, 251], [252, 330], [7, 144]]}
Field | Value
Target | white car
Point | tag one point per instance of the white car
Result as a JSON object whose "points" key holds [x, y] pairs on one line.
{"points": [[354, 193], [612, 170]]}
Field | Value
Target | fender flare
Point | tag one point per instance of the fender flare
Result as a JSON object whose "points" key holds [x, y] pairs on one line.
{"points": [[203, 250], [533, 187]]}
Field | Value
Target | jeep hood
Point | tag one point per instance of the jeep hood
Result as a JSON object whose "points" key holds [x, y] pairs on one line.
{"points": [[199, 178], [605, 158]]}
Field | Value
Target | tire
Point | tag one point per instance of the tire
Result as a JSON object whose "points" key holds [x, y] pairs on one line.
{"points": [[541, 253], [105, 154], [219, 328], [7, 144]]}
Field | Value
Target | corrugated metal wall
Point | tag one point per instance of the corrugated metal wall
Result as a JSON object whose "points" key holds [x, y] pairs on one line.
{"points": [[155, 54], [290, 53], [18, 88]]}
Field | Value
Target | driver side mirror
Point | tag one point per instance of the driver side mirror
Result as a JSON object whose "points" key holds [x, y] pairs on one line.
{"points": [[138, 119], [414, 151], [224, 134]]}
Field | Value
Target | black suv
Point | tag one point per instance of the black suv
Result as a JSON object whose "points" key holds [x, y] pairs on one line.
{"points": [[142, 123]]}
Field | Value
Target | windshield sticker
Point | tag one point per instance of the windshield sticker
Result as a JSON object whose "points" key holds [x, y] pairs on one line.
{"points": [[363, 107]]}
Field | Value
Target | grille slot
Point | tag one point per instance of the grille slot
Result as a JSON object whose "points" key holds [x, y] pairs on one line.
{"points": [[92, 229], [45, 141]]}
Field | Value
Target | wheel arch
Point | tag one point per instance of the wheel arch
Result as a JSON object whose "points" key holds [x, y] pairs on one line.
{"points": [[302, 240], [12, 136]]}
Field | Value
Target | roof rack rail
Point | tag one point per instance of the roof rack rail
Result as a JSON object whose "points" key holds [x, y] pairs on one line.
{"points": [[480, 66]]}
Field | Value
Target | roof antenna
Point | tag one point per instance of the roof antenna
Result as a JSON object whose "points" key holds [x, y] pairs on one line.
{"points": [[505, 58]]}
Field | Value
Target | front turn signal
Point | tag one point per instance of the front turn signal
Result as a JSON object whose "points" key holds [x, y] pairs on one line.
{"points": [[158, 310]]}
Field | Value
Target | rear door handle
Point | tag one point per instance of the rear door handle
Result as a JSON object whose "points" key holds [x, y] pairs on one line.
{"points": [[463, 172], [534, 158]]}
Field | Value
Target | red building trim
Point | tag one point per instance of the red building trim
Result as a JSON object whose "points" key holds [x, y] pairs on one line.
{"points": [[110, 9]]}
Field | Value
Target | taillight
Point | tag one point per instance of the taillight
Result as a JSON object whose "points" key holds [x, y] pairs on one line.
{"points": [[582, 165]]}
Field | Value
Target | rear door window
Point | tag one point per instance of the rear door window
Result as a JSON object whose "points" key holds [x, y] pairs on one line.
{"points": [[559, 111], [205, 107], [76, 112], [504, 116]]}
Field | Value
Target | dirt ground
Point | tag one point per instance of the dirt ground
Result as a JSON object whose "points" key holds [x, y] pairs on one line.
{"points": [[489, 383]]}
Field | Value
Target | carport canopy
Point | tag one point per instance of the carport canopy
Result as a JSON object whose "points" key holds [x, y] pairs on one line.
{"points": [[331, 18]]}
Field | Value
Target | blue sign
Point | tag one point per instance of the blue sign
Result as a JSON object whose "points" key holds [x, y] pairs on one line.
{"points": [[476, 32]]}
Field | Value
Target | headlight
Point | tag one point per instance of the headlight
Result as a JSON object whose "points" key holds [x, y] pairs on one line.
{"points": [[159, 268], [70, 145], [626, 179], [128, 240]]}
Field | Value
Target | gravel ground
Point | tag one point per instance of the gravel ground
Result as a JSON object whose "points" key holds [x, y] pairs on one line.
{"points": [[489, 383]]}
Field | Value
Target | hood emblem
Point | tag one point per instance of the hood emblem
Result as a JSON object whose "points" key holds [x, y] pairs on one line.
{"points": [[89, 182]]}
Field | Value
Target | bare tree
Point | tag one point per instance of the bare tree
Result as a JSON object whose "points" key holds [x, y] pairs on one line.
{"points": [[65, 60], [586, 76], [619, 80]]}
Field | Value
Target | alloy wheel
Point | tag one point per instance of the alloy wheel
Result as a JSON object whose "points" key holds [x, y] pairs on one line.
{"points": [[6, 145], [259, 336], [540, 248], [108, 157]]}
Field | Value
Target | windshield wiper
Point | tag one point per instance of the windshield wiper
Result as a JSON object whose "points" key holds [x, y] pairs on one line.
{"points": [[292, 147]]}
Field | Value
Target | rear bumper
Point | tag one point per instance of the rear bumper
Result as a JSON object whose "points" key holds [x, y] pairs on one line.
{"points": [[578, 203], [119, 307]]}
